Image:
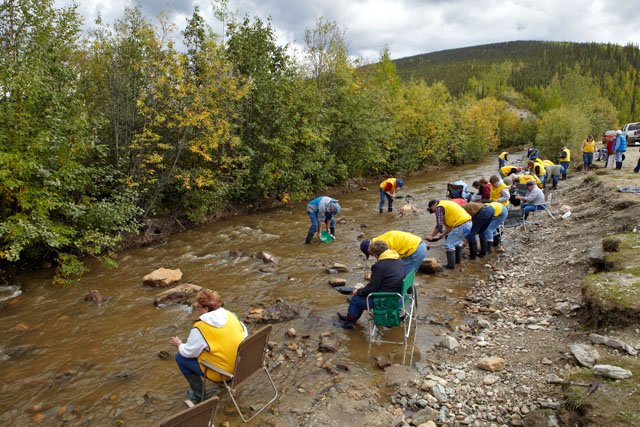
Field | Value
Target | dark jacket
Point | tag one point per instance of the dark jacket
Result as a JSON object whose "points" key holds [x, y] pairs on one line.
{"points": [[386, 275]]}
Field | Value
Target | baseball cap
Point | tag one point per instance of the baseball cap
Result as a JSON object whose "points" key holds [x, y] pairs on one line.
{"points": [[400, 183], [364, 247]]}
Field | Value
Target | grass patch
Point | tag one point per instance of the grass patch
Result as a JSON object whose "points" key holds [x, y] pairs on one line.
{"points": [[590, 179], [612, 298], [615, 403], [622, 254]]}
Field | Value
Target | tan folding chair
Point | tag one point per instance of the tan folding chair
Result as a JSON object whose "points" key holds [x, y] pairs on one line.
{"points": [[249, 362], [200, 415]]}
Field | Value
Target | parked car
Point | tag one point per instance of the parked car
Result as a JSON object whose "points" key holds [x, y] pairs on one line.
{"points": [[631, 131]]}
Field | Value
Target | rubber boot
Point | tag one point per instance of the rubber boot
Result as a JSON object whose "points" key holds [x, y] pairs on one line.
{"points": [[489, 247], [390, 209], [458, 254], [451, 260], [618, 165], [196, 384], [497, 243], [332, 230], [307, 241], [346, 323], [483, 247], [381, 210], [473, 248]]}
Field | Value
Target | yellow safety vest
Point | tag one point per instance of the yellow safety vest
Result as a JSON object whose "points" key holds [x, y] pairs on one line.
{"points": [[589, 146], [503, 155], [405, 244], [568, 156], [497, 208], [392, 181], [541, 170], [508, 170], [454, 215], [496, 193], [223, 345]]}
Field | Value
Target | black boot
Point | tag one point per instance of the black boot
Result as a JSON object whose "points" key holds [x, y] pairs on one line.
{"points": [[341, 316], [309, 238], [196, 384], [333, 231], [473, 248], [451, 260], [618, 165], [346, 323], [458, 254], [483, 247], [489, 247], [381, 210], [390, 209], [497, 243]]}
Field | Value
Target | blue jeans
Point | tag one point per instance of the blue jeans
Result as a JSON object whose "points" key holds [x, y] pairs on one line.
{"points": [[413, 261], [501, 163], [480, 222], [188, 365], [456, 236], [619, 156], [527, 209], [358, 305], [313, 217], [587, 159], [495, 223], [383, 198], [565, 168], [554, 180]]}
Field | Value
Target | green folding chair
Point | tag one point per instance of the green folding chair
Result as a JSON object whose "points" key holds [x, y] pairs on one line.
{"points": [[392, 309]]}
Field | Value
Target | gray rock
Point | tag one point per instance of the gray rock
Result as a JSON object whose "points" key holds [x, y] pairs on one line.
{"points": [[448, 342], [610, 371], [266, 257], [340, 268], [439, 393], [336, 281], [490, 379], [328, 343], [585, 354], [424, 417], [181, 294], [614, 343]]}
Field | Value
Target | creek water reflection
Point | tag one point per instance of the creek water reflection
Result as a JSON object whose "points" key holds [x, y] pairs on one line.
{"points": [[74, 361]]}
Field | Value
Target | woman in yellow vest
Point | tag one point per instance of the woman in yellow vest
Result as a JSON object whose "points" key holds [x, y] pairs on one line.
{"points": [[502, 159], [588, 148], [565, 161], [453, 222], [215, 338], [499, 191], [411, 248], [388, 189]]}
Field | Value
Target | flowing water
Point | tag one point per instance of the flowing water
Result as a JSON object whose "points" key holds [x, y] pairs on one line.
{"points": [[73, 361]]}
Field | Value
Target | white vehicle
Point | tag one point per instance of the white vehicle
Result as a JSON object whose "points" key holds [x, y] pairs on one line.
{"points": [[631, 131]]}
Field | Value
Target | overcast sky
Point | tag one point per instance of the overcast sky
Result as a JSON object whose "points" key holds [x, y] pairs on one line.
{"points": [[412, 27]]}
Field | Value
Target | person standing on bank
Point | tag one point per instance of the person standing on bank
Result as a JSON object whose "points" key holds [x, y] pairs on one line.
{"points": [[502, 159], [619, 148], [322, 209], [453, 222], [588, 150], [387, 275], [481, 216], [411, 248], [214, 338], [388, 189], [565, 161]]}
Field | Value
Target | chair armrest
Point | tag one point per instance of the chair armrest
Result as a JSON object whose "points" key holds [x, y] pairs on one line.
{"points": [[216, 369]]}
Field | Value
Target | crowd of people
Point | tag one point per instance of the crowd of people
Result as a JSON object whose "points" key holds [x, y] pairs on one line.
{"points": [[462, 217]]}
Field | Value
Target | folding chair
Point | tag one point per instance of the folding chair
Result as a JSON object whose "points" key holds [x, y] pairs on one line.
{"points": [[391, 309], [514, 227], [249, 362], [200, 415]]}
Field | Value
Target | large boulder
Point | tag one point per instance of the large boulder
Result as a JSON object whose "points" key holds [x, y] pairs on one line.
{"points": [[279, 312], [585, 354], [430, 266], [610, 371], [162, 278], [181, 294], [94, 297]]}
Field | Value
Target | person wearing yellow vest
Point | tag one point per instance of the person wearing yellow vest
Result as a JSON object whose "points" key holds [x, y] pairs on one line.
{"points": [[509, 170], [499, 191], [491, 234], [214, 338], [453, 222], [481, 216], [411, 248], [388, 189], [565, 161], [588, 149], [502, 159], [537, 168]]}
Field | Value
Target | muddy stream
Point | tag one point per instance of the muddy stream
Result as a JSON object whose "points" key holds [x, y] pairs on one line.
{"points": [[74, 361]]}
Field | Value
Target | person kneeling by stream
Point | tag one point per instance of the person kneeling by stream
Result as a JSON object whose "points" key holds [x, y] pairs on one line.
{"points": [[387, 275], [214, 338]]}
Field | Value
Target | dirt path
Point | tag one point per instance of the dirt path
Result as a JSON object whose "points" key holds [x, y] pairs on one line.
{"points": [[528, 312]]}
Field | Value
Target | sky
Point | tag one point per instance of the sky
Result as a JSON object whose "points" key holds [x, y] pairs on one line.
{"points": [[409, 27]]}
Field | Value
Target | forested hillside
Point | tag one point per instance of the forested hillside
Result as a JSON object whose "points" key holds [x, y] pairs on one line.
{"points": [[103, 131], [528, 66]]}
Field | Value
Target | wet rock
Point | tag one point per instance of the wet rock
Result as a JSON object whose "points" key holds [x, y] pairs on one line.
{"points": [[279, 312], [162, 278], [398, 374], [269, 268], [20, 327], [610, 371], [163, 354], [336, 281], [181, 294], [328, 343], [122, 376], [383, 362], [614, 343], [266, 257], [9, 292], [430, 266], [584, 354], [341, 268], [94, 296], [492, 364], [19, 351]]}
